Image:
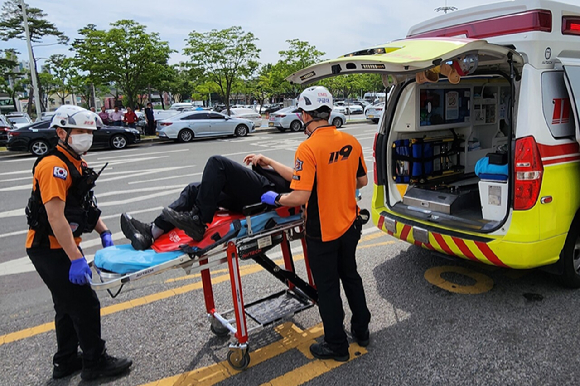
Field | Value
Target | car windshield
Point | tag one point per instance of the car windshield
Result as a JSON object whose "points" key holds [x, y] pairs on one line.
{"points": [[18, 120]]}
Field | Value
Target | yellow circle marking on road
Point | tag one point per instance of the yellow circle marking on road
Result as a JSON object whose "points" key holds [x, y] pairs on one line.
{"points": [[483, 283]]}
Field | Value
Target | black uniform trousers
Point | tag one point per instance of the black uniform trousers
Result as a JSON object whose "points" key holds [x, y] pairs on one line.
{"points": [[78, 310], [224, 183], [333, 262]]}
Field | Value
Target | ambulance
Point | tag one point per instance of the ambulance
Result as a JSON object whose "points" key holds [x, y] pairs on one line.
{"points": [[477, 152]]}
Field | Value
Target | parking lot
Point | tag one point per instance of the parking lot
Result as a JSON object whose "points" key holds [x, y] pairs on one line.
{"points": [[434, 321]]}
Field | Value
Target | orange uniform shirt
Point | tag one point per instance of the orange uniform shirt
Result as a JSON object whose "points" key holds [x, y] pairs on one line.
{"points": [[54, 180], [328, 164]]}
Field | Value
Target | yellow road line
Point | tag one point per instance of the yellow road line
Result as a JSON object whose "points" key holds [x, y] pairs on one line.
{"points": [[292, 338], [245, 270]]}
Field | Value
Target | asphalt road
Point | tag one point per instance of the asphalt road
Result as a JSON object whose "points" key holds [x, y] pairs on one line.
{"points": [[435, 321]]}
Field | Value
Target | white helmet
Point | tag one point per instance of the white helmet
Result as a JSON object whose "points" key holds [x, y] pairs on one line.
{"points": [[314, 98], [74, 117]]}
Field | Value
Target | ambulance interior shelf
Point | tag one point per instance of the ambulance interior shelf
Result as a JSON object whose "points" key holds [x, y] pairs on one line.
{"points": [[428, 159]]}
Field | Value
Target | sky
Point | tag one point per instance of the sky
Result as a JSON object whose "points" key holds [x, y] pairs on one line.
{"points": [[334, 27]]}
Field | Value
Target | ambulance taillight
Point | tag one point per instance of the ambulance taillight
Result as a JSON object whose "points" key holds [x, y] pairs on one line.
{"points": [[528, 172], [570, 25]]}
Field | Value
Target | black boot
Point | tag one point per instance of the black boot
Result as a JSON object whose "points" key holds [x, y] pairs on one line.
{"points": [[363, 339], [189, 222], [138, 232], [323, 351], [105, 366], [61, 370]]}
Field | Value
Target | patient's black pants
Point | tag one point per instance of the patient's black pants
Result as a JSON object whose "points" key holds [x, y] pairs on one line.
{"points": [[224, 183]]}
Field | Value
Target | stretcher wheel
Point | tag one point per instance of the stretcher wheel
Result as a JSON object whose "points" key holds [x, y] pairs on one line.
{"points": [[239, 359], [219, 330]]}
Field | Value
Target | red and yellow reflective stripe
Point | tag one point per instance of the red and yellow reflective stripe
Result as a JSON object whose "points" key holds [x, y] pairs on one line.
{"points": [[450, 245]]}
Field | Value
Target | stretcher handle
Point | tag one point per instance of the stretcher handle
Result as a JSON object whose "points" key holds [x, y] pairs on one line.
{"points": [[90, 282], [196, 252]]}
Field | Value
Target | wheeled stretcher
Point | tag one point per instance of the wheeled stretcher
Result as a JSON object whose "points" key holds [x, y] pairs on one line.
{"points": [[229, 239]]}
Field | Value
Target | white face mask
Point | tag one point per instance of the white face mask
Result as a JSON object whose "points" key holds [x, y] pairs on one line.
{"points": [[81, 143]]}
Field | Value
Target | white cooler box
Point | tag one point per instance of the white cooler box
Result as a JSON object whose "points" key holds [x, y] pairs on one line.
{"points": [[494, 198]]}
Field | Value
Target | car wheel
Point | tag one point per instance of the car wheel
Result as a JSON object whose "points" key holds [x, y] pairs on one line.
{"points": [[281, 129], [185, 135], [241, 131], [296, 126], [118, 142], [337, 122], [39, 147], [570, 256]]}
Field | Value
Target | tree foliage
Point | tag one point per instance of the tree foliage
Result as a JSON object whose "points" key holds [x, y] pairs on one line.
{"points": [[12, 24], [64, 72], [125, 55], [223, 57]]}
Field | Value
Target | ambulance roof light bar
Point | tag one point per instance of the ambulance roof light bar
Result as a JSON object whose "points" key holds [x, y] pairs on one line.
{"points": [[570, 25], [535, 20]]}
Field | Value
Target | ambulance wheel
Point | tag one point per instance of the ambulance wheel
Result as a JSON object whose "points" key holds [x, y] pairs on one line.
{"points": [[239, 359], [296, 126], [219, 330], [570, 256]]}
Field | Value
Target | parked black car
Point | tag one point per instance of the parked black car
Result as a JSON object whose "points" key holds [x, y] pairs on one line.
{"points": [[5, 127], [38, 138]]}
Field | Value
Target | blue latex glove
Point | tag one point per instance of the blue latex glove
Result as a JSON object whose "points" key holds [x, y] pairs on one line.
{"points": [[78, 271], [269, 198], [107, 239]]}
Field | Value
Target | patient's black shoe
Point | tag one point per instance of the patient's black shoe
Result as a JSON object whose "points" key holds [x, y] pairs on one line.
{"points": [[138, 232], [190, 222]]}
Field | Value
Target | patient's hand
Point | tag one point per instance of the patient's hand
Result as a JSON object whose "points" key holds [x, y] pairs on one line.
{"points": [[257, 159]]}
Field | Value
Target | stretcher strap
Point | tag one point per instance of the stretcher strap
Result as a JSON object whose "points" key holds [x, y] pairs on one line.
{"points": [[194, 252]]}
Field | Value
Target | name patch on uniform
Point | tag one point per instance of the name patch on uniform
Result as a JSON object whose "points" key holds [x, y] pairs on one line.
{"points": [[298, 165], [59, 172]]}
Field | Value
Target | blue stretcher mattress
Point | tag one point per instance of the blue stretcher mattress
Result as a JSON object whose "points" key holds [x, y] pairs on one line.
{"points": [[123, 259]]}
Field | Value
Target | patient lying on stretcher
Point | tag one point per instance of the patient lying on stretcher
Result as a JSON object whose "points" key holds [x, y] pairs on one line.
{"points": [[224, 184]]}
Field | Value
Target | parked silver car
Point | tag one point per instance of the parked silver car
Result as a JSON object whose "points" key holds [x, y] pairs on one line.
{"points": [[246, 113], [188, 125], [290, 118], [374, 112]]}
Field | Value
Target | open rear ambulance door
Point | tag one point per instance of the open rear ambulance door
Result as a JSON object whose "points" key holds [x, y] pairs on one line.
{"points": [[404, 58], [572, 80]]}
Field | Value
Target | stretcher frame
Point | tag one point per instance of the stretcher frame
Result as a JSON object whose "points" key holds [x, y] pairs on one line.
{"points": [[195, 261]]}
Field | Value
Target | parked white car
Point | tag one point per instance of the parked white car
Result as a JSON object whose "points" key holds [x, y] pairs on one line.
{"points": [[188, 125], [246, 113], [19, 119], [348, 108], [290, 118], [374, 112]]}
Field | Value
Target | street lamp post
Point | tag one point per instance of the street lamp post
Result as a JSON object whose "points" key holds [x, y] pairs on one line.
{"points": [[31, 60]]}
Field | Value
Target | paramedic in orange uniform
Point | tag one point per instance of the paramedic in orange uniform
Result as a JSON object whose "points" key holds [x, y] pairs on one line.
{"points": [[328, 168], [58, 212]]}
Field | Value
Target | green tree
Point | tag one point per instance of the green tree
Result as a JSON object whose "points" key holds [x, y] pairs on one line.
{"points": [[299, 55], [63, 70], [12, 27], [125, 55], [223, 57], [11, 79]]}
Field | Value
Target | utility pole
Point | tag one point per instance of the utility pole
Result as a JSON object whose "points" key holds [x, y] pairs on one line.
{"points": [[32, 63]]}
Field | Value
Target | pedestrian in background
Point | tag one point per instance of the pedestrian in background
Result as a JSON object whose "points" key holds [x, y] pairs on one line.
{"points": [[328, 167], [130, 118], [104, 116], [116, 117], [60, 209], [150, 118]]}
